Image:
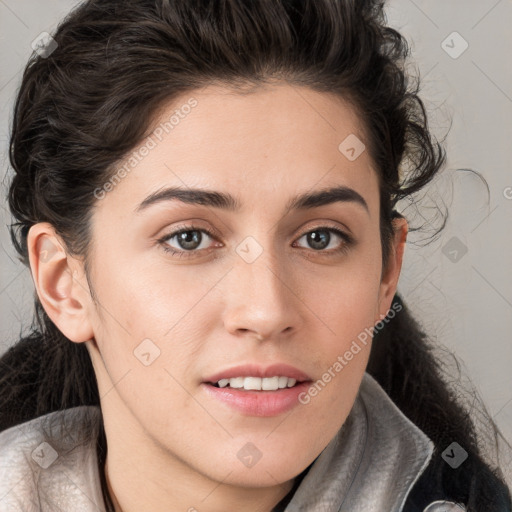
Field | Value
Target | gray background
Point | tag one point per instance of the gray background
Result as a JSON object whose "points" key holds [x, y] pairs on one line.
{"points": [[463, 299]]}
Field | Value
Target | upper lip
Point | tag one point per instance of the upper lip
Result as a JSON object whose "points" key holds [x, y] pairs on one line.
{"points": [[255, 370]]}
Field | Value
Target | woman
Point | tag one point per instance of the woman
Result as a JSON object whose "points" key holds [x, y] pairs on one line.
{"points": [[205, 194]]}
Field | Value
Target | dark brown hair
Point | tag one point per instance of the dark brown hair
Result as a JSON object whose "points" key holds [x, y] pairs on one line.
{"points": [[81, 109]]}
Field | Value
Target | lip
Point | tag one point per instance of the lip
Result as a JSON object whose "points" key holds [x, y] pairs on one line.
{"points": [[257, 403], [255, 370]]}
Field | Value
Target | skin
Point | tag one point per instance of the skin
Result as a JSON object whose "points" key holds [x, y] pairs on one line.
{"points": [[170, 446]]}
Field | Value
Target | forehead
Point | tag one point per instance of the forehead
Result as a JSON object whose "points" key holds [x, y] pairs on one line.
{"points": [[272, 143]]}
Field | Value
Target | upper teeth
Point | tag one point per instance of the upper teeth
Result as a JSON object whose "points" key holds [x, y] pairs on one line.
{"points": [[265, 384]]}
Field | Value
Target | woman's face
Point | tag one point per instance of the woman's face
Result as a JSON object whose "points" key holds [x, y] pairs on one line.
{"points": [[274, 283]]}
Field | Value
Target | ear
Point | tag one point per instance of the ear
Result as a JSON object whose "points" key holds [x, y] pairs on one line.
{"points": [[60, 283], [390, 275]]}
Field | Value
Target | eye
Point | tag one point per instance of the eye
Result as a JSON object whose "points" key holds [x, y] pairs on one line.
{"points": [[320, 238], [189, 239]]}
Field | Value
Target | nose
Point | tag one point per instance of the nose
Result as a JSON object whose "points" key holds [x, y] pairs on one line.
{"points": [[262, 298]]}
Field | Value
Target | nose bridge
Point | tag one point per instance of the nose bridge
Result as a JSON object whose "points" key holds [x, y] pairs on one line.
{"points": [[260, 297], [258, 270]]}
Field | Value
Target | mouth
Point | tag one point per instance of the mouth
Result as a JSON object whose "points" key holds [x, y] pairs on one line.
{"points": [[255, 391]]}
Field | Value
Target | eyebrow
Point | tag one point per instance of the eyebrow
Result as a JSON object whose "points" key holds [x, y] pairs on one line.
{"points": [[228, 202]]}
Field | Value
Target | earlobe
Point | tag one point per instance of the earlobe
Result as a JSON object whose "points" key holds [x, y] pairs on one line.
{"points": [[56, 278], [391, 275]]}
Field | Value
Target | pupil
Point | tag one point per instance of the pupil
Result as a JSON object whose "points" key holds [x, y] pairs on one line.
{"points": [[316, 241], [189, 242]]}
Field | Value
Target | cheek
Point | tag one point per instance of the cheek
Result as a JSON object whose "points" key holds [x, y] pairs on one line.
{"points": [[149, 339], [346, 298], [149, 309], [346, 304], [131, 295]]}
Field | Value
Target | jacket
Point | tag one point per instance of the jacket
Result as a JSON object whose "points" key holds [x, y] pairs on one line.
{"points": [[371, 465]]}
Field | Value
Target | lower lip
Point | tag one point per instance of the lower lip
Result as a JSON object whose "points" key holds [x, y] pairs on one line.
{"points": [[258, 403]]}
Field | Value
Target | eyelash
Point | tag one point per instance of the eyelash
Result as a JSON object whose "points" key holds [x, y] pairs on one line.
{"points": [[345, 246]]}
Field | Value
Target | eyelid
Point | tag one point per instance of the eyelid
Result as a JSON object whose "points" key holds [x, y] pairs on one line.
{"points": [[327, 225]]}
